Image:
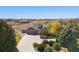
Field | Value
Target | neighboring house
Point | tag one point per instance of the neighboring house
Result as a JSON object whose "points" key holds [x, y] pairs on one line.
{"points": [[38, 26], [30, 31], [33, 30]]}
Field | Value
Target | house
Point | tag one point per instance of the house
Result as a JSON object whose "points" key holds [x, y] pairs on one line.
{"points": [[38, 26], [30, 31]]}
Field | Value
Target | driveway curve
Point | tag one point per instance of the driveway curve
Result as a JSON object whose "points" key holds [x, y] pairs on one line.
{"points": [[26, 43]]}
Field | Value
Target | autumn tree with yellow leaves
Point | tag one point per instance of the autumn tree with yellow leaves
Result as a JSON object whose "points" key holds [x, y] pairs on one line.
{"points": [[54, 27]]}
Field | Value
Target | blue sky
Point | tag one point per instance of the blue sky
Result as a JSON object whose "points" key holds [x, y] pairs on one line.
{"points": [[39, 12]]}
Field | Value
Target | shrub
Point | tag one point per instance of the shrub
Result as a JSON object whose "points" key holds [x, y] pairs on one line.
{"points": [[48, 49], [41, 47], [7, 37], [45, 34], [68, 38], [56, 46], [72, 24], [50, 43], [43, 31], [18, 37], [35, 44], [45, 41]]}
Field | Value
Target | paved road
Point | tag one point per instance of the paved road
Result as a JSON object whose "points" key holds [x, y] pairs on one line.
{"points": [[26, 43]]}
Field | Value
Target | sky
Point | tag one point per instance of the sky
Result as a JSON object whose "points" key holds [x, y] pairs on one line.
{"points": [[37, 12]]}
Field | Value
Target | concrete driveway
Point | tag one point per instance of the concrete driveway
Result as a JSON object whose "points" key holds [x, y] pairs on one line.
{"points": [[26, 43]]}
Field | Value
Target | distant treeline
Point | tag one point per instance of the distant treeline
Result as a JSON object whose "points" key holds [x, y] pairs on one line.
{"points": [[24, 20]]}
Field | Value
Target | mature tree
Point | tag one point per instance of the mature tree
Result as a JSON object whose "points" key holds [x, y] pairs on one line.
{"points": [[7, 37]]}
